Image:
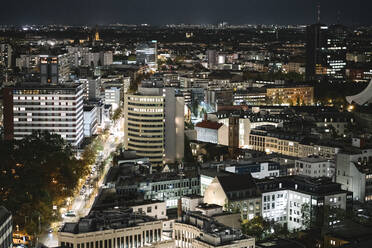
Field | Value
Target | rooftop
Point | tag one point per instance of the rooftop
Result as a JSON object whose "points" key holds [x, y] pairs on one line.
{"points": [[4, 214], [209, 124], [106, 220]]}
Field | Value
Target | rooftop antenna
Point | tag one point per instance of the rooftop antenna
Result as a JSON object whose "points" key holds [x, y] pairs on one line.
{"points": [[338, 17], [318, 13]]}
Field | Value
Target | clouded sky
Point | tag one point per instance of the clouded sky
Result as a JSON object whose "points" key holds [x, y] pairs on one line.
{"points": [[183, 11]]}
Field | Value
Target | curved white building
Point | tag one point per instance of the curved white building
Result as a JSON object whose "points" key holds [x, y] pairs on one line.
{"points": [[363, 97], [154, 124]]}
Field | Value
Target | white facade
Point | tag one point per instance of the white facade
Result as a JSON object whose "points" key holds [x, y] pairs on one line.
{"points": [[112, 97], [154, 126], [215, 136], [157, 210], [286, 206], [57, 109], [315, 167], [189, 203], [245, 127], [262, 170], [349, 172], [106, 58], [90, 121]]}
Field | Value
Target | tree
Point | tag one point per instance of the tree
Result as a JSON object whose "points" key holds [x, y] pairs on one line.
{"points": [[38, 172], [305, 212]]}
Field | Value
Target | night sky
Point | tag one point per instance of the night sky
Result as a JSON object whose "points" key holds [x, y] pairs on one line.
{"points": [[183, 11]]}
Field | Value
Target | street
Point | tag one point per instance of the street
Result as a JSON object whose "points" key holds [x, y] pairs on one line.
{"points": [[79, 205]]}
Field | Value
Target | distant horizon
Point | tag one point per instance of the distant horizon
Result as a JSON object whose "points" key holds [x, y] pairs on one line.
{"points": [[191, 12], [176, 24]]}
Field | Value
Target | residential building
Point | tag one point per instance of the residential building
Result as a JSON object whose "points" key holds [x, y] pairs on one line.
{"points": [[315, 167], [326, 52], [235, 193], [6, 228], [54, 108], [154, 126]]}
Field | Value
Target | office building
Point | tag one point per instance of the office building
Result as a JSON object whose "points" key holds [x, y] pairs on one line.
{"points": [[6, 228], [146, 54], [54, 108], [154, 126], [106, 58], [326, 52], [315, 51]]}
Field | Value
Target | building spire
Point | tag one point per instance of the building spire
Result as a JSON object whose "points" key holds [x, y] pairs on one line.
{"points": [[318, 13]]}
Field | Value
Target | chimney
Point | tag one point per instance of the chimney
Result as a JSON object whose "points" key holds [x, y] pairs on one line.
{"points": [[179, 209]]}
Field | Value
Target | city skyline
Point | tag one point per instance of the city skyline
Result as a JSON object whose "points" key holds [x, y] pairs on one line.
{"points": [[191, 12]]}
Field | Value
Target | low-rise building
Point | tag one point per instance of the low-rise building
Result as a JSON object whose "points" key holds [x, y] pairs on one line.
{"points": [[299, 202], [200, 231], [354, 172], [315, 167], [90, 121], [235, 193], [212, 132], [111, 228], [256, 168]]}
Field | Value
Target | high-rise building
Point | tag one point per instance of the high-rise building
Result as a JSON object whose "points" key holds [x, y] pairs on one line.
{"points": [[5, 55], [106, 58], [326, 52], [54, 69], [6, 228], [154, 125], [211, 58], [54, 108], [315, 51], [146, 54]]}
